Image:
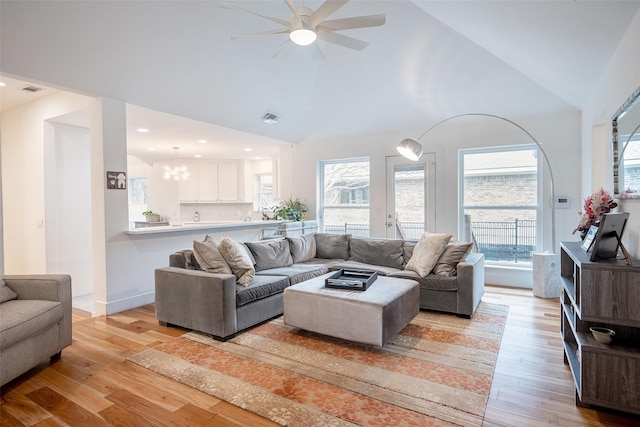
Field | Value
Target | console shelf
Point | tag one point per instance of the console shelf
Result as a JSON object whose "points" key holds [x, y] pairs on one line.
{"points": [[604, 293]]}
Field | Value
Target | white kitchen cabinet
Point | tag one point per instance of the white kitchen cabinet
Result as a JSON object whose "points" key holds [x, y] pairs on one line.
{"points": [[212, 182]]}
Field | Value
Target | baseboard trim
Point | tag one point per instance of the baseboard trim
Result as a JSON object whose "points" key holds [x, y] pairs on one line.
{"points": [[113, 307]]}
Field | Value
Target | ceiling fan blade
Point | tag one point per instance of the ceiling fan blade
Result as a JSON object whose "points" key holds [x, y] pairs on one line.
{"points": [[342, 40], [315, 52], [279, 31], [355, 22], [325, 9], [240, 9], [294, 10], [275, 52]]}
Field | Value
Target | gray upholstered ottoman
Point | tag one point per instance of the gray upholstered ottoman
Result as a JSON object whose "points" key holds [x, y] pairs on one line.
{"points": [[374, 316]]}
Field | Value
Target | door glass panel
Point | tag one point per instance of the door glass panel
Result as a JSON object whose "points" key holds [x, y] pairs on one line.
{"points": [[409, 183]]}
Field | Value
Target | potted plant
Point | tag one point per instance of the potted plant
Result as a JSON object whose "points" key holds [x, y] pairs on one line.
{"points": [[292, 209], [151, 216]]}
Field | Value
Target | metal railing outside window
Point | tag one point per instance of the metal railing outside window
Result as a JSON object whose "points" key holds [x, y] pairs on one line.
{"points": [[500, 241]]}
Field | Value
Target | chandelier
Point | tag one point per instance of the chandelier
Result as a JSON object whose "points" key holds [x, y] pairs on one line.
{"points": [[178, 172]]}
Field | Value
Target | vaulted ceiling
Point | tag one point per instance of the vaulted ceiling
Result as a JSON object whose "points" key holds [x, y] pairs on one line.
{"points": [[430, 60]]}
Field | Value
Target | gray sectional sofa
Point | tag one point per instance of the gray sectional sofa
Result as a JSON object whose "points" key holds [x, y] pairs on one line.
{"points": [[215, 304], [35, 321]]}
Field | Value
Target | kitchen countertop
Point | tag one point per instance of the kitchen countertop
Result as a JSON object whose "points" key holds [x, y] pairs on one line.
{"points": [[204, 225]]}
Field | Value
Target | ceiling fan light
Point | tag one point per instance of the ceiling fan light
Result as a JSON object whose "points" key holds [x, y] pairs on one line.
{"points": [[410, 148], [303, 36]]}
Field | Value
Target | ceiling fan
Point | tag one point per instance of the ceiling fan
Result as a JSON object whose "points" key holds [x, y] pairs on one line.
{"points": [[306, 25]]}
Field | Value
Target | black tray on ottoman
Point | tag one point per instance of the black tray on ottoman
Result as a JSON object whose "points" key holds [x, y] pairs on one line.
{"points": [[355, 280]]}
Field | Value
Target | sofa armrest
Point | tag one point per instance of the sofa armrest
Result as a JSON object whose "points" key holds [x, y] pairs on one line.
{"points": [[197, 300], [49, 287], [470, 283]]}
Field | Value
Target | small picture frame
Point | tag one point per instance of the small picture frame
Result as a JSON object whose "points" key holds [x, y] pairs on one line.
{"points": [[589, 238]]}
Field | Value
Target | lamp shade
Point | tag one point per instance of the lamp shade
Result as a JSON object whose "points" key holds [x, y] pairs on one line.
{"points": [[410, 148]]}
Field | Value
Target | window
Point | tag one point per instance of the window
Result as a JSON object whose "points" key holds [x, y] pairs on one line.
{"points": [[344, 200], [137, 198], [499, 202], [265, 191]]}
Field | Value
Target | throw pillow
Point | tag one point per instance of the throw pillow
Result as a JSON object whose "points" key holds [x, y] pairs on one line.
{"points": [[6, 293], [270, 254], [209, 257], [332, 246], [454, 252], [303, 248], [427, 251], [238, 258]]}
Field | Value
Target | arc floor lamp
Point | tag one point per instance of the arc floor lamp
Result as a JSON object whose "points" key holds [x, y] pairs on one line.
{"points": [[412, 149]]}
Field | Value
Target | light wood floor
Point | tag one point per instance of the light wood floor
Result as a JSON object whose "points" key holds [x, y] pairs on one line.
{"points": [[93, 385]]}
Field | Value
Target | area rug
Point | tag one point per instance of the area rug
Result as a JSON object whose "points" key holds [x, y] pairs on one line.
{"points": [[437, 372]]}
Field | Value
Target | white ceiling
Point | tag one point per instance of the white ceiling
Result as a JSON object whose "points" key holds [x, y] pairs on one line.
{"points": [[431, 59]]}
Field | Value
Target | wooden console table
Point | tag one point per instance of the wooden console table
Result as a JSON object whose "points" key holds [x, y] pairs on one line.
{"points": [[603, 293]]}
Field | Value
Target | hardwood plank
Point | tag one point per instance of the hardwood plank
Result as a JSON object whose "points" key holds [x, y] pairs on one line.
{"points": [[24, 409], [146, 409], [64, 409], [197, 415], [7, 419], [118, 416]]}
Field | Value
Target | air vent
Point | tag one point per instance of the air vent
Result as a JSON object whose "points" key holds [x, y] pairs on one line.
{"points": [[30, 88], [270, 118]]}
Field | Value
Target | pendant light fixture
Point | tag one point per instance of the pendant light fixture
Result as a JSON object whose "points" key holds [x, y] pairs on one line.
{"points": [[178, 172]]}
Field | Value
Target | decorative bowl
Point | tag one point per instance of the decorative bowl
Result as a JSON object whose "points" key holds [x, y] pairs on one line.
{"points": [[602, 335]]}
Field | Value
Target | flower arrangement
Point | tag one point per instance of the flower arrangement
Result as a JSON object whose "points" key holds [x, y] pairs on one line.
{"points": [[597, 204]]}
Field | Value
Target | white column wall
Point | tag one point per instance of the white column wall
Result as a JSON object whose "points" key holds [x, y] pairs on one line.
{"points": [[620, 78], [23, 198]]}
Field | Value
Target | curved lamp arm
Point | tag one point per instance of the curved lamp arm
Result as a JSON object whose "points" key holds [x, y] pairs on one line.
{"points": [[408, 142]]}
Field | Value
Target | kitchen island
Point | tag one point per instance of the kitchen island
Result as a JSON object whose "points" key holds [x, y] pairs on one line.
{"points": [[258, 229]]}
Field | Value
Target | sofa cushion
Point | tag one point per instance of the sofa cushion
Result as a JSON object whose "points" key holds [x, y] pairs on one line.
{"points": [[382, 252], [332, 246], [22, 319], [427, 251], [209, 257], [429, 282], [238, 258], [297, 272], [447, 264], [260, 287], [303, 248], [6, 293], [270, 254], [355, 265]]}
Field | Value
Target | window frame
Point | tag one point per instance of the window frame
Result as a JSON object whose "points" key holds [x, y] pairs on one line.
{"points": [[321, 186], [539, 230]]}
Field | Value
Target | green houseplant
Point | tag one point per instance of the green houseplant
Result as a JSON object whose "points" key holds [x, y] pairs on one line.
{"points": [[151, 216], [292, 209]]}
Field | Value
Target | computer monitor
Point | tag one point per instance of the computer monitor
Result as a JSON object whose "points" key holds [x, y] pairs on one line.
{"points": [[608, 237]]}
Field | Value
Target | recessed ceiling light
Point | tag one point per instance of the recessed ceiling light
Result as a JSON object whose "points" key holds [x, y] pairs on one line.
{"points": [[202, 141], [257, 158], [197, 156], [248, 149], [2, 84], [143, 130], [151, 149]]}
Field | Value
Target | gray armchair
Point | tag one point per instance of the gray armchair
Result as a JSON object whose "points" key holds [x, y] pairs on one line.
{"points": [[36, 324]]}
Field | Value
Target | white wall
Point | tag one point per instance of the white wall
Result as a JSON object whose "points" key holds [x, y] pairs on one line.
{"points": [[620, 79], [23, 179], [559, 133]]}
